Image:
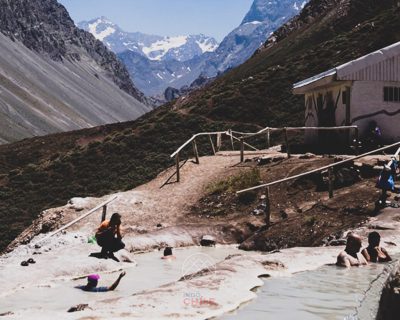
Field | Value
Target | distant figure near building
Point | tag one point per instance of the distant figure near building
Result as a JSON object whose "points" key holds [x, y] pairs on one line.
{"points": [[92, 282], [386, 180], [375, 253], [108, 236], [351, 255], [373, 138]]}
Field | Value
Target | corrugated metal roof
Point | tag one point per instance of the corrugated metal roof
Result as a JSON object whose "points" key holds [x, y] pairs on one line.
{"points": [[380, 65], [318, 77]]}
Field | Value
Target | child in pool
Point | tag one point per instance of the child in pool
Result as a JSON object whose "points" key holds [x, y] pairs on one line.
{"points": [[375, 253], [168, 254]]}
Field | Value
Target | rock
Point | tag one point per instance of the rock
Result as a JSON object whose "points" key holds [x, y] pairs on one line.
{"points": [[263, 161], [9, 313], [337, 242], [79, 307], [346, 177], [207, 241], [171, 94], [283, 214], [308, 155]]}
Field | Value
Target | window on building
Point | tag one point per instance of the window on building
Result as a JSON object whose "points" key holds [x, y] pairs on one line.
{"points": [[391, 94]]}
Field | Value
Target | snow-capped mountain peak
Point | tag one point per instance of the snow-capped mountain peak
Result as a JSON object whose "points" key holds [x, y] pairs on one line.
{"points": [[153, 47], [101, 28], [157, 50]]}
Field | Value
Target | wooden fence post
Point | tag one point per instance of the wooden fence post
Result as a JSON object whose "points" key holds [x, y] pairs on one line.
{"points": [[330, 185], [230, 134], [219, 141], [241, 150], [287, 143], [212, 144], [267, 207], [103, 215], [196, 153], [268, 139], [178, 176], [356, 138]]}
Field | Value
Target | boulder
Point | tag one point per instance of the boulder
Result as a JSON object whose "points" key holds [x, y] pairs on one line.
{"points": [[207, 241]]}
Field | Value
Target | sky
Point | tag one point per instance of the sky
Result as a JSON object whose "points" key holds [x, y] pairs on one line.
{"points": [[165, 17]]}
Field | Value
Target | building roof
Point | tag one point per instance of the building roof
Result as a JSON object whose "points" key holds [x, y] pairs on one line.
{"points": [[381, 65]]}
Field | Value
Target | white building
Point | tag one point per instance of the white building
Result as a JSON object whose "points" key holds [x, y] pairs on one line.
{"points": [[356, 93]]}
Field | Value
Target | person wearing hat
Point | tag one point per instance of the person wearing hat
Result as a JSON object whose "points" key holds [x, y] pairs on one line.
{"points": [[92, 281]]}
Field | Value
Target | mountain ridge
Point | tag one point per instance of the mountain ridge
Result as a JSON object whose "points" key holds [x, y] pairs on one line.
{"points": [[56, 77]]}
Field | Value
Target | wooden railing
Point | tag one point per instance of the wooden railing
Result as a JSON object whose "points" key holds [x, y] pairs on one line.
{"points": [[192, 140], [103, 217], [242, 136], [286, 130], [327, 167]]}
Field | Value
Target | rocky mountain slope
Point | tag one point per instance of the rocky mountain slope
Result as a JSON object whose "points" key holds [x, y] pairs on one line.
{"points": [[56, 77], [264, 17], [46, 172]]}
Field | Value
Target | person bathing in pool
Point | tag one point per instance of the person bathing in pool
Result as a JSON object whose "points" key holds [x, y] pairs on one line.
{"points": [[168, 254], [351, 256], [375, 253], [92, 281]]}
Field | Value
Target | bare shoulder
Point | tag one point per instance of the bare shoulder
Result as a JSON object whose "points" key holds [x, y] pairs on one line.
{"points": [[341, 258]]}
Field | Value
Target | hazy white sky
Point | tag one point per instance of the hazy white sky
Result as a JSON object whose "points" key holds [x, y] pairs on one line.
{"points": [[165, 17]]}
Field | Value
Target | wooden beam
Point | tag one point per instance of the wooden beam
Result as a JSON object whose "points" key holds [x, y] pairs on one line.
{"points": [[241, 150], [287, 143], [330, 183], [196, 153], [267, 208], [230, 134], [178, 176], [356, 139], [268, 138], [212, 144], [104, 213], [336, 164]]}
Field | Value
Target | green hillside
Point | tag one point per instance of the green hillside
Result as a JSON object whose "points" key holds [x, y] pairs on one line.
{"points": [[44, 172]]}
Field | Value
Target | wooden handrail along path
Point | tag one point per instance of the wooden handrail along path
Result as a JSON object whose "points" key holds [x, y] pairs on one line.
{"points": [[104, 212], [327, 167], [242, 137], [192, 140]]}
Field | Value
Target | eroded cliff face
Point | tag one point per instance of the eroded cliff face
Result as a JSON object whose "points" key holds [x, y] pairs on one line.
{"points": [[45, 27]]}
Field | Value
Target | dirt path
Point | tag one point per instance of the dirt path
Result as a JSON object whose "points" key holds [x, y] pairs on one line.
{"points": [[154, 206]]}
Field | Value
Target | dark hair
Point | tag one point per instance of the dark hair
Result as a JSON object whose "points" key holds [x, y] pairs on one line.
{"points": [[167, 251], [92, 283], [374, 237], [115, 218]]}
